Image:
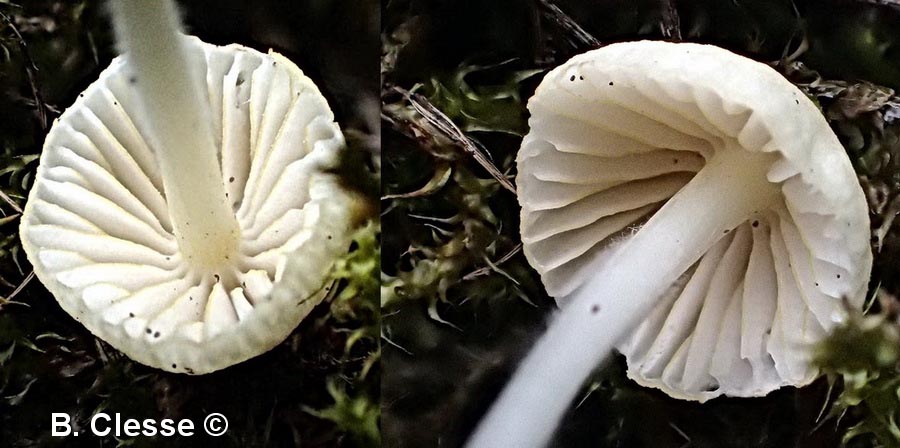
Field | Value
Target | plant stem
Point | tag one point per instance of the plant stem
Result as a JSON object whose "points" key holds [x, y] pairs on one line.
{"points": [[730, 189], [170, 85]]}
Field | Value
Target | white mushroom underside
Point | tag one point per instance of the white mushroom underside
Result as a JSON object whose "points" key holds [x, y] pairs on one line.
{"points": [[100, 236], [608, 146]]}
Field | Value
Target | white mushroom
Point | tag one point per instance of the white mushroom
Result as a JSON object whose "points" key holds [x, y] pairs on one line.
{"points": [[183, 210], [691, 207]]}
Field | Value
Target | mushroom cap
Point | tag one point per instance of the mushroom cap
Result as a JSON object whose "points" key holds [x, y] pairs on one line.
{"points": [[617, 131], [98, 232]]}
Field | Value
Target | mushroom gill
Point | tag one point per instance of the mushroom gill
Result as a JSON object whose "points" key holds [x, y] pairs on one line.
{"points": [[645, 169], [608, 147], [98, 229]]}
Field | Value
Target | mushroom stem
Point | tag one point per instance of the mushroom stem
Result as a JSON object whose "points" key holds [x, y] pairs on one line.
{"points": [[730, 189], [170, 85]]}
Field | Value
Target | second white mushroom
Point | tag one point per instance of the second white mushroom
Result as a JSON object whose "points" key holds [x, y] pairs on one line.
{"points": [[690, 207]]}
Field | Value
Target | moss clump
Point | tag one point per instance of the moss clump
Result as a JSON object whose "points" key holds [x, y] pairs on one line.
{"points": [[356, 310], [861, 360]]}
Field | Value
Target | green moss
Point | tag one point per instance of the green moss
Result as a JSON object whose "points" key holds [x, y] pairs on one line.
{"points": [[358, 416], [494, 107], [861, 358], [356, 309]]}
